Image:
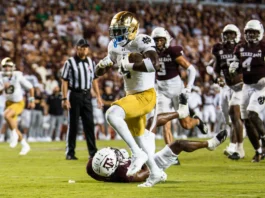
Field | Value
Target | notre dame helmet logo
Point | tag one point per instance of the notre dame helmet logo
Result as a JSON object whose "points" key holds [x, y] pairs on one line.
{"points": [[261, 100]]}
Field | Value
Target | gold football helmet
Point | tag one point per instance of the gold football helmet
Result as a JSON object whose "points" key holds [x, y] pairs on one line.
{"points": [[7, 66], [123, 28]]}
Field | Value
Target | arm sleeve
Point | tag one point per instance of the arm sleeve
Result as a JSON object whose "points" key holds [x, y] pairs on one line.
{"points": [[217, 67], [24, 82], [65, 71]]}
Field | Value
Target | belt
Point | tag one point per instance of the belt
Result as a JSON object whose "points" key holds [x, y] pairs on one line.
{"points": [[84, 91]]}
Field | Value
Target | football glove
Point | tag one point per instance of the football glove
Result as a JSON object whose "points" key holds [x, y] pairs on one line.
{"points": [[186, 91], [105, 62], [233, 67]]}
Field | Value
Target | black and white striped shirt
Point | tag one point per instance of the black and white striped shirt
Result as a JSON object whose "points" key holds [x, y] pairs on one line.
{"points": [[79, 73]]}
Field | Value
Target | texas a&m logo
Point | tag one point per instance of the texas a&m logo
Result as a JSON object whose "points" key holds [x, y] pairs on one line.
{"points": [[108, 164]]}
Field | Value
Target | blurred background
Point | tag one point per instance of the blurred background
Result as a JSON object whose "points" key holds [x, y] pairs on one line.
{"points": [[40, 35]]}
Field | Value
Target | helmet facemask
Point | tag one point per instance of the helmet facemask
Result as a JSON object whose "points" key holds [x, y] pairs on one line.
{"points": [[119, 35], [229, 37], [252, 36]]}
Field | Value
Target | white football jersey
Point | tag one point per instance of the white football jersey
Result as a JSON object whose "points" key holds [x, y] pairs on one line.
{"points": [[15, 92], [134, 81]]}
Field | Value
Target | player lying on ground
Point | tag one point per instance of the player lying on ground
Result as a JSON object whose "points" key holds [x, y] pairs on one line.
{"points": [[110, 165]]}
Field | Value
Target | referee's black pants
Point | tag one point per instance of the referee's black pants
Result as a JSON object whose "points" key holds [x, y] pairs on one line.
{"points": [[80, 106]]}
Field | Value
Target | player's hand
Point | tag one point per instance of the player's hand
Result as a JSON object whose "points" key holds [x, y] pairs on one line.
{"points": [[100, 103], [31, 105], [186, 91], [105, 62], [6, 85], [66, 104], [233, 67], [125, 63], [220, 81]]}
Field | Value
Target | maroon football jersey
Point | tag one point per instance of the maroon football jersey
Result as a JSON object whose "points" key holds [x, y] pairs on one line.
{"points": [[118, 176], [224, 56], [251, 61], [167, 59]]}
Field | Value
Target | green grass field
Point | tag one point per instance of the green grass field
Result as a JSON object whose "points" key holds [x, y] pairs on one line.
{"points": [[44, 173]]}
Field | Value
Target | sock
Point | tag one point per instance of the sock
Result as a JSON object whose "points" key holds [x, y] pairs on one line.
{"points": [[232, 147], [23, 142], [240, 146], [147, 143], [167, 152], [115, 117], [259, 150], [14, 132]]}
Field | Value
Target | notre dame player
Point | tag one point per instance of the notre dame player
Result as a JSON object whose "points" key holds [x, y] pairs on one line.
{"points": [[250, 60], [232, 91], [128, 114]]}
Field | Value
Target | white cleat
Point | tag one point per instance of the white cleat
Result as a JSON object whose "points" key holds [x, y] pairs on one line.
{"points": [[25, 149], [154, 179], [137, 161], [13, 140]]}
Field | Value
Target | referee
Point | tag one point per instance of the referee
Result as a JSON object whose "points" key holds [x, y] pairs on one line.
{"points": [[77, 78]]}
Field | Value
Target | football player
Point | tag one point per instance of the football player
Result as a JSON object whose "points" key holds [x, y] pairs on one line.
{"points": [[11, 84], [110, 165], [170, 85], [128, 115], [249, 59], [231, 88]]}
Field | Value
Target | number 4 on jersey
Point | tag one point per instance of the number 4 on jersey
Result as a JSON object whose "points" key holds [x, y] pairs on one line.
{"points": [[247, 63]]}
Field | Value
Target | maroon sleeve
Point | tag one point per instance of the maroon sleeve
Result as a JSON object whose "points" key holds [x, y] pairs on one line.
{"points": [[237, 51], [215, 51], [176, 51]]}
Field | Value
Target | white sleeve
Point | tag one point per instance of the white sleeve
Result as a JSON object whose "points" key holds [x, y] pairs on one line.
{"points": [[25, 83]]}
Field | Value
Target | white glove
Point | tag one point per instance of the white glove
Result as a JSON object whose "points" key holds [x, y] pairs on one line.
{"points": [[125, 64], [233, 67], [186, 91], [105, 62]]}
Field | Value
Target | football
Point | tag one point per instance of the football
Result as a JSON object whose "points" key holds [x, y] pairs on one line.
{"points": [[135, 58]]}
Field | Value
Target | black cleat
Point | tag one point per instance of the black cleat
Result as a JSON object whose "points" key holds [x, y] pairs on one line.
{"points": [[221, 136], [257, 157], [183, 99], [202, 126], [234, 156], [70, 157], [217, 140]]}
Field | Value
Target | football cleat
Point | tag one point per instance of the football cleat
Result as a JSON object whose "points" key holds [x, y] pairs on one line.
{"points": [[13, 139], [25, 149], [202, 126], [137, 161], [153, 179], [227, 151], [217, 140], [234, 156], [183, 110], [257, 157]]}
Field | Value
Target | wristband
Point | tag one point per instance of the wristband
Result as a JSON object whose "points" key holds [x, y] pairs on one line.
{"points": [[64, 98], [31, 99]]}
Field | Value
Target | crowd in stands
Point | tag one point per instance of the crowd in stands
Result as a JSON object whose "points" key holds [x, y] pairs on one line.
{"points": [[40, 35]]}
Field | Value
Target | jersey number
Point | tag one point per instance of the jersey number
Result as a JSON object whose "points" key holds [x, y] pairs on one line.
{"points": [[10, 89], [247, 63], [162, 71]]}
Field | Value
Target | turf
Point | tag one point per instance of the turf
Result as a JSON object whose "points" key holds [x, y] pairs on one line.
{"points": [[44, 173]]}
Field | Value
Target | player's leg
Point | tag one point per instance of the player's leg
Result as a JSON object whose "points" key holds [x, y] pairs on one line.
{"points": [[9, 115], [237, 133], [131, 108], [169, 154]]}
